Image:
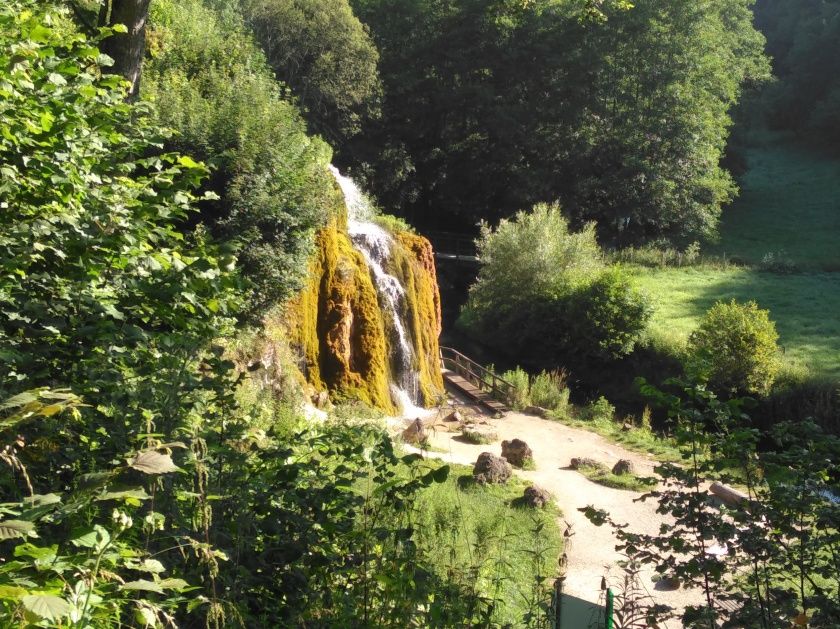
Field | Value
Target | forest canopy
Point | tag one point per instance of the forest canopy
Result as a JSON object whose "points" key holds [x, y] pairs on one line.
{"points": [[491, 107]]}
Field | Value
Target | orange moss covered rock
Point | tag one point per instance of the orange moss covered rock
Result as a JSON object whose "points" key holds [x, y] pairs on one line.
{"points": [[336, 324]]}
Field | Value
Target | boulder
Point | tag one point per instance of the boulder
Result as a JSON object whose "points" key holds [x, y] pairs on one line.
{"points": [[536, 497], [490, 468], [321, 400], [539, 411], [454, 416], [415, 434], [579, 462], [474, 433], [624, 466], [517, 452]]}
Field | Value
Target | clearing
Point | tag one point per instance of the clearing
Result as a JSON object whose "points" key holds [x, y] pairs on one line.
{"points": [[790, 203]]}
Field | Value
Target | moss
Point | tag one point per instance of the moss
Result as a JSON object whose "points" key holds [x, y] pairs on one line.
{"points": [[414, 265], [337, 323]]}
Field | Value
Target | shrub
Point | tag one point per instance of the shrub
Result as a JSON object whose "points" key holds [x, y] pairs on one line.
{"points": [[735, 349], [608, 316], [519, 398], [549, 390], [599, 410], [210, 83], [543, 292]]}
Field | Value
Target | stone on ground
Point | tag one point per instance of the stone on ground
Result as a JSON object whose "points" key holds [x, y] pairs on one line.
{"points": [[415, 434], [517, 452], [579, 462], [624, 466], [490, 468], [536, 497]]}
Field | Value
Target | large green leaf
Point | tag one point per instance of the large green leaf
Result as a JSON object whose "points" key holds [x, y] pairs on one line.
{"points": [[153, 462], [11, 529], [47, 606]]}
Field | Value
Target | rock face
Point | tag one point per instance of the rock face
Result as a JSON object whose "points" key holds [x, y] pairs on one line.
{"points": [[536, 497], [579, 462], [490, 468], [415, 434], [516, 452], [624, 466], [338, 330]]}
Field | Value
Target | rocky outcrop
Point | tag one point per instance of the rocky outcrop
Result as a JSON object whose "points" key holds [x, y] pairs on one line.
{"points": [[336, 325], [517, 452], [490, 468], [338, 329]]}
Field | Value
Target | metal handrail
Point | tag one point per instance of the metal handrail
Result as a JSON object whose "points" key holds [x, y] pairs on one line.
{"points": [[475, 373]]}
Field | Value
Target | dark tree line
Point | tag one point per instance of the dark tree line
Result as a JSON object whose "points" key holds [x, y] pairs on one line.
{"points": [[803, 39], [492, 106]]}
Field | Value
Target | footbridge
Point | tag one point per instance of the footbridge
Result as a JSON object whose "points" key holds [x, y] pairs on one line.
{"points": [[453, 247], [474, 381]]}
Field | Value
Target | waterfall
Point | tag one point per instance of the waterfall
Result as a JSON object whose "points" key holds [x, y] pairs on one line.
{"points": [[374, 243]]}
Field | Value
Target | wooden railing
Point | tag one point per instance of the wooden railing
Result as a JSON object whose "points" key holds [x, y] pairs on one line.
{"points": [[476, 374]]}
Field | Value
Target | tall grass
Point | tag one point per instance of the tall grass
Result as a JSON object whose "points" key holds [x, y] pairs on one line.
{"points": [[483, 533]]}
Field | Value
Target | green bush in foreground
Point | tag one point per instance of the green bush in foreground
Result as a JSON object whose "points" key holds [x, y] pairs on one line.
{"points": [[735, 349]]}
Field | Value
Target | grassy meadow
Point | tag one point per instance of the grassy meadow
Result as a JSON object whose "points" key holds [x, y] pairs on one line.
{"points": [[789, 203]]}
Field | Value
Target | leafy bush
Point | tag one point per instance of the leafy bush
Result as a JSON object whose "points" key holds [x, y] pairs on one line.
{"points": [[544, 293], [549, 390], [608, 316], [778, 262], [210, 83], [599, 411], [519, 398], [735, 349]]}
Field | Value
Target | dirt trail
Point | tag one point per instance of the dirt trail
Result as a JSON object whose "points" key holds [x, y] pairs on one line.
{"points": [[592, 551]]}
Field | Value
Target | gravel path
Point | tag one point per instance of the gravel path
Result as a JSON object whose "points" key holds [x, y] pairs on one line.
{"points": [[592, 551]]}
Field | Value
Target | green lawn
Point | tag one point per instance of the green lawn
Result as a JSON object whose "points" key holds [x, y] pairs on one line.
{"points": [[790, 200], [805, 307], [483, 533]]}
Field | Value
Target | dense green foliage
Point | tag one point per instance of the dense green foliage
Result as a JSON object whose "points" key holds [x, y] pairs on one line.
{"points": [[803, 39], [142, 495], [210, 83], [544, 293], [491, 107], [782, 572], [325, 55], [735, 349]]}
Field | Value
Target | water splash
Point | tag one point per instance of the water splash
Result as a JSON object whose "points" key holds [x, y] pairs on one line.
{"points": [[374, 243]]}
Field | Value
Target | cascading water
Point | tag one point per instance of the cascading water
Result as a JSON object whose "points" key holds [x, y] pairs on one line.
{"points": [[374, 243]]}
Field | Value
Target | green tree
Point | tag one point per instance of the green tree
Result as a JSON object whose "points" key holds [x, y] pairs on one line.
{"points": [[322, 51], [490, 107], [210, 83], [735, 349]]}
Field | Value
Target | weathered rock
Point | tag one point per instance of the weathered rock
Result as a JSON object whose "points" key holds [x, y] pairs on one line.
{"points": [[624, 466], [517, 452], [539, 411], [536, 497], [321, 399], [579, 462], [415, 434], [490, 468], [454, 416], [477, 434]]}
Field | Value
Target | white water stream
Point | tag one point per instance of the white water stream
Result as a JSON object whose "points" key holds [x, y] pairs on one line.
{"points": [[374, 243]]}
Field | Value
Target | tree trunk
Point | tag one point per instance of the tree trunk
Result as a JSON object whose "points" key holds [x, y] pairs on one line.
{"points": [[127, 49]]}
